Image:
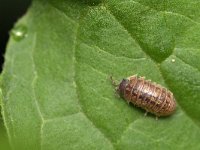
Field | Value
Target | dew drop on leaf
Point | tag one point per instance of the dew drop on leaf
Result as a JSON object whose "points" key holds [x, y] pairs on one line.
{"points": [[19, 32]]}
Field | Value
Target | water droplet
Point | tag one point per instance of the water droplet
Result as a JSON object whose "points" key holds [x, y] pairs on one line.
{"points": [[173, 60], [19, 32]]}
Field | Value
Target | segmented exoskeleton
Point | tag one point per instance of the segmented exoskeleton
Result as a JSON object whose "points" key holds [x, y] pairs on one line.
{"points": [[148, 95]]}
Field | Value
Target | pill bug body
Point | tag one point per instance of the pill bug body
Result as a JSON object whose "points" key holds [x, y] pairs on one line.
{"points": [[147, 95]]}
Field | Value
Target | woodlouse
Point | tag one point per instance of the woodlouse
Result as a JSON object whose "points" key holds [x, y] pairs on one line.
{"points": [[148, 95]]}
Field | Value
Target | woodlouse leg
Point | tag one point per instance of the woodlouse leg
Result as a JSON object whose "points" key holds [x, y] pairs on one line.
{"points": [[113, 82], [156, 118], [142, 78], [145, 114], [116, 94], [134, 76], [128, 102]]}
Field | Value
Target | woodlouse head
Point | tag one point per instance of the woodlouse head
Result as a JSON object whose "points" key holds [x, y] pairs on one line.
{"points": [[121, 87]]}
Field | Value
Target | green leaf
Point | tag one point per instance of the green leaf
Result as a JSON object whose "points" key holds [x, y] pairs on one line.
{"points": [[55, 83], [3, 137]]}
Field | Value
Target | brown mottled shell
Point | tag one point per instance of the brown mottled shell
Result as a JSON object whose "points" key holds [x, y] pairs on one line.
{"points": [[147, 95]]}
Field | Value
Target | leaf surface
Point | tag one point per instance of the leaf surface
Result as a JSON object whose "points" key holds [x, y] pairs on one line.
{"points": [[56, 92]]}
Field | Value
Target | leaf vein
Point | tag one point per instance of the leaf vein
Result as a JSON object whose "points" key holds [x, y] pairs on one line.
{"points": [[129, 126], [60, 11], [60, 117], [33, 88], [125, 57], [8, 130], [180, 15], [187, 63], [163, 11], [94, 125]]}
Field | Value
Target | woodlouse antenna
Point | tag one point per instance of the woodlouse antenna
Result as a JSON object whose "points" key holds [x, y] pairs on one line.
{"points": [[113, 82]]}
